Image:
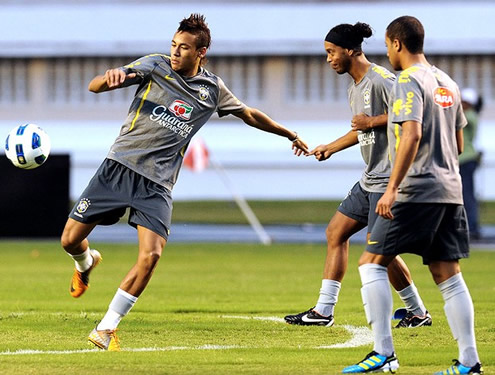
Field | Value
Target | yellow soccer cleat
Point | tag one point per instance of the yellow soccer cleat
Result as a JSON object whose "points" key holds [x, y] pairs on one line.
{"points": [[80, 280], [105, 340]]}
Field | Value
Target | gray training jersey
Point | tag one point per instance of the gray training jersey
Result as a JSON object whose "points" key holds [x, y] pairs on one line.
{"points": [[370, 96], [166, 112], [428, 96]]}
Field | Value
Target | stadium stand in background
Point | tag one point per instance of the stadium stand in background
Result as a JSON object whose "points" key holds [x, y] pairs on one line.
{"points": [[270, 54]]}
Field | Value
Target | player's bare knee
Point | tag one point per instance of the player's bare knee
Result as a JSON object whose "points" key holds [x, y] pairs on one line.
{"points": [[155, 256], [334, 240], [149, 259], [441, 271], [67, 241]]}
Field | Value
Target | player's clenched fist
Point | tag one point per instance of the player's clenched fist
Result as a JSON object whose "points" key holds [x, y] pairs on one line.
{"points": [[116, 77]]}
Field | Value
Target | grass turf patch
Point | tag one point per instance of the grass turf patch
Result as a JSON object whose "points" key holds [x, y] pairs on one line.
{"points": [[204, 311]]}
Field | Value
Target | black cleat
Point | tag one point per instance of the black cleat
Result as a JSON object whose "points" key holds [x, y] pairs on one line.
{"points": [[414, 321], [310, 318]]}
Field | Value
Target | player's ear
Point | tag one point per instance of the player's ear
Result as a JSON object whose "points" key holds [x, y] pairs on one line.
{"points": [[397, 44], [202, 52]]}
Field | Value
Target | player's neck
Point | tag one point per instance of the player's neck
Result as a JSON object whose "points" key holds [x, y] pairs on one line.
{"points": [[190, 72], [359, 68], [409, 60]]}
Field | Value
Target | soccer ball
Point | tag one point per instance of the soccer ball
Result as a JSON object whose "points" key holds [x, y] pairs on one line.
{"points": [[27, 146]]}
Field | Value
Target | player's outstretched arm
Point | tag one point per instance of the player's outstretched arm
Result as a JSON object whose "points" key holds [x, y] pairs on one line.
{"points": [[323, 152], [259, 120], [111, 80]]}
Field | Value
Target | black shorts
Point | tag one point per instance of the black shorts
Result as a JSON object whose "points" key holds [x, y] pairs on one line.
{"points": [[115, 187], [360, 205], [435, 231]]}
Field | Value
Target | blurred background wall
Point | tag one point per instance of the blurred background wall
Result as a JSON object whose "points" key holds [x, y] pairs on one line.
{"points": [[270, 54]]}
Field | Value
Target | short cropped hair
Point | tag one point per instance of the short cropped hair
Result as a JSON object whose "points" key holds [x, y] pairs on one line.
{"points": [[196, 25], [409, 31]]}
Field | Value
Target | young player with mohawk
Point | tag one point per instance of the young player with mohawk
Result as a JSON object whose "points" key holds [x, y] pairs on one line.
{"points": [[175, 97]]}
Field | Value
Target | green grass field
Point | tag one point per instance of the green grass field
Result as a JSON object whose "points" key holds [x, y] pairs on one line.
{"points": [[277, 212], [198, 314]]}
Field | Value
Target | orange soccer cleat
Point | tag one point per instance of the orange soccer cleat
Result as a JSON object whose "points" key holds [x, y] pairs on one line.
{"points": [[80, 280]]}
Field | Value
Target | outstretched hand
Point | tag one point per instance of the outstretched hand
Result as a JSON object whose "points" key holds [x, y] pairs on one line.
{"points": [[300, 147], [320, 152], [116, 77]]}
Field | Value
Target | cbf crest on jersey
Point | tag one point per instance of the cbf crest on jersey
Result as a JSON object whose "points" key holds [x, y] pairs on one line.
{"points": [[83, 205], [367, 98], [204, 93]]}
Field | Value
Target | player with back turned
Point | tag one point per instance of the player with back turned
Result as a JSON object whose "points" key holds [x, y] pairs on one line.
{"points": [[368, 97], [421, 211], [175, 97]]}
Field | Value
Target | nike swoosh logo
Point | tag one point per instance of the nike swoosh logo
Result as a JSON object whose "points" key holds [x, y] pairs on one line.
{"points": [[169, 78], [308, 320], [372, 242]]}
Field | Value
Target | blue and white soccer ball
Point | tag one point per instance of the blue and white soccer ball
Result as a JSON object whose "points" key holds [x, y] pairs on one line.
{"points": [[27, 146]]}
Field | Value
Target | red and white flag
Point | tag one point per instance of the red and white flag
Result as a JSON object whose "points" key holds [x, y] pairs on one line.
{"points": [[196, 157]]}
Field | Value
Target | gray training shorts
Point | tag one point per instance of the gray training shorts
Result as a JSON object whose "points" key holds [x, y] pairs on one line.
{"points": [[435, 231], [360, 205], [115, 187]]}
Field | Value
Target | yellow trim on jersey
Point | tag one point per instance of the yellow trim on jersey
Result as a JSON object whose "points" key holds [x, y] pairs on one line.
{"points": [[158, 54], [183, 150], [382, 72], [132, 65], [140, 106], [404, 75]]}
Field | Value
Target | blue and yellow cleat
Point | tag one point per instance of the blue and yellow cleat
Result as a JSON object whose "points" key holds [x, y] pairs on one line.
{"points": [[374, 362], [459, 368]]}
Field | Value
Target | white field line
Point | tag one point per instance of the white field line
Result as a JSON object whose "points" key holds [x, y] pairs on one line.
{"points": [[360, 336], [265, 318], [153, 349]]}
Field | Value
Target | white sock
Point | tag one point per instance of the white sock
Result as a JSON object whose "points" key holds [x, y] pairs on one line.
{"points": [[83, 261], [377, 301], [460, 315], [329, 295], [412, 300], [121, 304]]}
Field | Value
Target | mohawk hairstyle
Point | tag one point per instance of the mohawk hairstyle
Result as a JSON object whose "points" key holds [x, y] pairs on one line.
{"points": [[196, 25]]}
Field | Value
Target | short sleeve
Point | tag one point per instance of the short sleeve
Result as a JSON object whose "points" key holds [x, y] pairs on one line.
{"points": [[383, 92], [407, 100], [142, 67], [227, 102]]}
